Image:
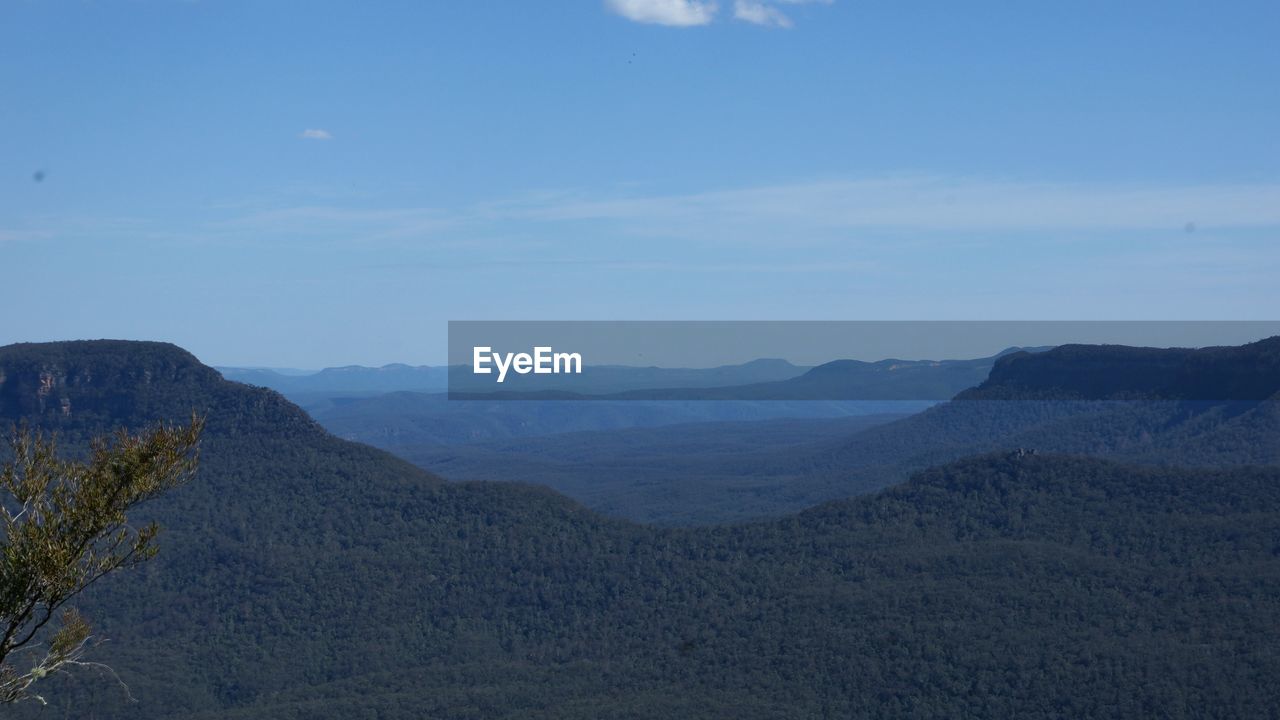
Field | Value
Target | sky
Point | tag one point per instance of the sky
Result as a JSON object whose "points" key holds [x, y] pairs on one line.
{"points": [[310, 184]]}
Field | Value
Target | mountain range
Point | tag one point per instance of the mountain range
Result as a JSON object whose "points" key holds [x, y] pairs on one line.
{"points": [[304, 576], [882, 380], [1207, 407], [358, 380], [629, 397]]}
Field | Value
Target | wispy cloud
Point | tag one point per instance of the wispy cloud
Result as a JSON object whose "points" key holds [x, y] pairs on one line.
{"points": [[766, 13], [7, 236], [758, 13], [937, 204], [675, 13], [316, 134], [690, 13], [337, 225], [904, 246], [853, 215]]}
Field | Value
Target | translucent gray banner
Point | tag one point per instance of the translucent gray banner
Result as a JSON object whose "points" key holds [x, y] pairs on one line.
{"points": [[831, 360]]}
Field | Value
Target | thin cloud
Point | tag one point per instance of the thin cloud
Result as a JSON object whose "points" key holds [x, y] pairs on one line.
{"points": [[831, 209], [7, 236], [766, 12], [929, 203], [758, 13], [674, 13], [316, 134], [924, 210]]}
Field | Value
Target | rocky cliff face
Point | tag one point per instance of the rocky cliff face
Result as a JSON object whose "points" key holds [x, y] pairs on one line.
{"points": [[54, 383], [94, 386]]}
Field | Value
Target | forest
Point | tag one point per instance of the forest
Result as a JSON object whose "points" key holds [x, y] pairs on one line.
{"points": [[303, 576]]}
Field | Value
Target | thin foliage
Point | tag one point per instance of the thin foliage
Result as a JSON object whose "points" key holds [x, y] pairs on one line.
{"points": [[63, 526]]}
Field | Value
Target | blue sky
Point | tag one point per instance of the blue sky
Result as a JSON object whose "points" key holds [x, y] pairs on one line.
{"points": [[639, 159]]}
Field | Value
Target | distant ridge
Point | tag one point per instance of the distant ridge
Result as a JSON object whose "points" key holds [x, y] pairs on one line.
{"points": [[890, 379], [398, 377], [1117, 372], [351, 379]]}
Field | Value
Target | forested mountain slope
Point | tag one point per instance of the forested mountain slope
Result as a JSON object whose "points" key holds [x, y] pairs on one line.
{"points": [[305, 577], [1205, 408]]}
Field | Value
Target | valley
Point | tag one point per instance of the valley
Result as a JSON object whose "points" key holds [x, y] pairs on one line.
{"points": [[306, 576]]}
